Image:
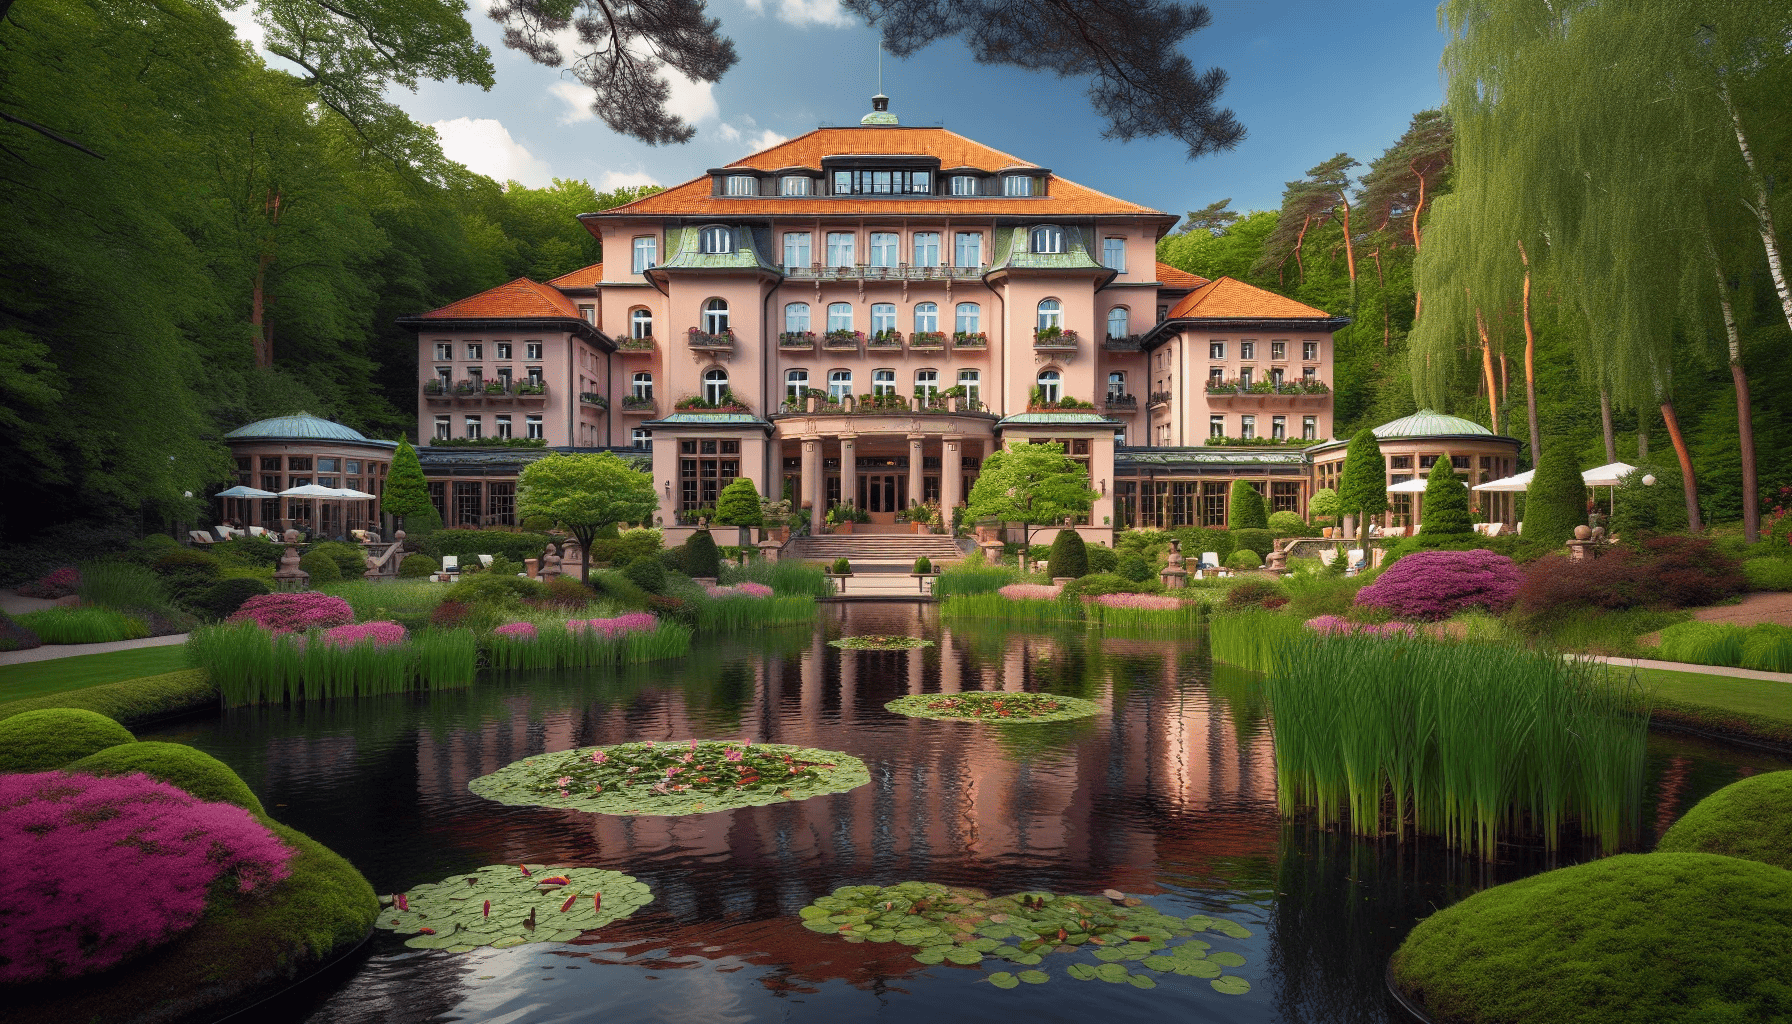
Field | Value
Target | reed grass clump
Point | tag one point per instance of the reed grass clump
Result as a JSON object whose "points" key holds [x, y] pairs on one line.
{"points": [[744, 612], [250, 665], [84, 624], [1768, 648], [1468, 741], [1704, 643], [973, 578], [995, 607], [1249, 639], [1115, 616], [380, 599], [786, 578], [558, 646]]}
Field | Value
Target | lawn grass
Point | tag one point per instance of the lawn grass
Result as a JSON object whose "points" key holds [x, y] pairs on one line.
{"points": [[129, 702], [1756, 708], [56, 675]]}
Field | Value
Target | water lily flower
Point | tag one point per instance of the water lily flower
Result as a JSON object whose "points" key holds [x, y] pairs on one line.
{"points": [[597, 901], [403, 904], [599, 757], [524, 868], [427, 931], [732, 755], [565, 780], [564, 907], [488, 909]]}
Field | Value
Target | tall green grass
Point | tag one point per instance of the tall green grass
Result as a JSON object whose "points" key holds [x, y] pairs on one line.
{"points": [[735, 613], [974, 578], [1250, 639], [375, 599], [85, 624], [128, 586], [252, 666], [1149, 621], [1468, 741], [787, 578], [1768, 648], [555, 646], [1704, 643], [995, 607]]}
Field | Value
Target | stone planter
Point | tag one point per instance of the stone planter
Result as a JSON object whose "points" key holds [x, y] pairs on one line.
{"points": [[840, 528], [921, 579]]}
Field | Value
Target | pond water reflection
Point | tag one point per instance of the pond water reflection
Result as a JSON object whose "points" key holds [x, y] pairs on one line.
{"points": [[1167, 794]]}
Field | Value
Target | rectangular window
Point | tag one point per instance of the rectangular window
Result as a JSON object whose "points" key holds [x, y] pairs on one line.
{"points": [[1278, 428], [1217, 374], [1213, 504], [329, 481], [329, 465], [1278, 350], [646, 253], [964, 185], [792, 185], [475, 350], [352, 467], [297, 462], [642, 437], [444, 351], [1247, 426], [586, 313], [532, 350], [740, 185], [476, 374], [927, 249], [1247, 350], [474, 427], [796, 247], [1459, 462], [445, 374], [502, 426], [1309, 373], [883, 248], [533, 424], [1284, 497], [500, 503], [504, 346], [839, 248], [1113, 254], [1216, 350], [534, 375], [1275, 376], [1018, 185], [1216, 426], [1309, 350], [883, 182], [1427, 461], [843, 183], [438, 496], [444, 428], [272, 483], [1400, 462], [1244, 376], [967, 249], [466, 503]]}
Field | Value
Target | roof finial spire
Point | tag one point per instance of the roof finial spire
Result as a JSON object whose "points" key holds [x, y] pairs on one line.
{"points": [[880, 104]]}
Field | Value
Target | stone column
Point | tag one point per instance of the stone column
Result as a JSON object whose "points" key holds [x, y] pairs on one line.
{"points": [[915, 470], [849, 470], [951, 477], [812, 478]]}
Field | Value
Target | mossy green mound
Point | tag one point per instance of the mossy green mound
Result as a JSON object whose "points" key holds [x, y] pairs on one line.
{"points": [[129, 702], [177, 764], [1751, 819], [671, 778], [508, 905], [1000, 707], [38, 741], [1636, 939]]}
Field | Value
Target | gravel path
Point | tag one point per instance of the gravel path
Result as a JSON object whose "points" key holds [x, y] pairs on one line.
{"points": [[1753, 608], [50, 652]]}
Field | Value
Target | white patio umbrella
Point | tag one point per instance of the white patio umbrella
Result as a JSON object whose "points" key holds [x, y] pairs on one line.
{"points": [[243, 491], [1609, 475], [1414, 486], [1520, 482], [318, 491]]}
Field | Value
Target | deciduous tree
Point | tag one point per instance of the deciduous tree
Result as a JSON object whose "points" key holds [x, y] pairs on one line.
{"points": [[584, 493]]}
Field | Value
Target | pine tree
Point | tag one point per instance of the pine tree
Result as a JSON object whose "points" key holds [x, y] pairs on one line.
{"points": [[1247, 508], [406, 493], [1446, 503], [1363, 488]]}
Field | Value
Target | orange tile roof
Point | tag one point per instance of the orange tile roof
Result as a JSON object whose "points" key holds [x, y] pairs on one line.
{"points": [[1170, 277], [1230, 298], [693, 198], [519, 298], [584, 277]]}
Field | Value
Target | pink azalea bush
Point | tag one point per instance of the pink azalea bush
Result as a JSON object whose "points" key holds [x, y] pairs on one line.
{"points": [[1149, 602], [60, 583], [748, 589], [1438, 584], [516, 630], [621, 625], [96, 870], [1030, 592], [287, 613], [1332, 625], [381, 634]]}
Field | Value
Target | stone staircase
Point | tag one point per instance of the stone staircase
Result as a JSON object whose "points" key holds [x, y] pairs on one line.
{"points": [[874, 552]]}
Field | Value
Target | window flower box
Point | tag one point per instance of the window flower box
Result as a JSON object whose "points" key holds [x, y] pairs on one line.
{"points": [[1122, 403], [494, 387], [885, 341], [638, 405], [434, 387], [468, 388], [972, 340], [1055, 339], [697, 403], [887, 402], [838, 341], [594, 399], [531, 389], [635, 344], [927, 341], [796, 341], [701, 342]]}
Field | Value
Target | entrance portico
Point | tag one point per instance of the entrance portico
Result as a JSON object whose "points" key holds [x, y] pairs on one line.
{"points": [[882, 464]]}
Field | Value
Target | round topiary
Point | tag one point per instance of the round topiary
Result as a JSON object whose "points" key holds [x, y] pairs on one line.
{"points": [[923, 565], [1243, 558], [223, 598], [1445, 512], [38, 741], [1635, 938], [418, 566], [1260, 541], [321, 566], [1135, 568], [1324, 503], [350, 559], [1286, 524], [185, 768], [187, 572], [1069, 557], [701, 559], [842, 567], [1102, 558], [1751, 819], [647, 573]]}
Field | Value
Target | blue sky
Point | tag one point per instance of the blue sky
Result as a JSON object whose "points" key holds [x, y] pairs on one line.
{"points": [[1309, 78]]}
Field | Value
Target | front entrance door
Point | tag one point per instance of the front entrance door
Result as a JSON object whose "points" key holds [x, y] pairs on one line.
{"points": [[881, 492]]}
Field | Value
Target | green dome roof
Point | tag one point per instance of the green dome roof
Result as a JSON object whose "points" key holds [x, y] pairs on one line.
{"points": [[1426, 423], [304, 425]]}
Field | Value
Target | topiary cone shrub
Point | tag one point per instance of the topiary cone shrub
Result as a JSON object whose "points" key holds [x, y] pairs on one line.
{"points": [[1069, 557], [1438, 584], [1247, 511], [1556, 502], [99, 870], [1446, 503], [701, 559], [842, 567]]}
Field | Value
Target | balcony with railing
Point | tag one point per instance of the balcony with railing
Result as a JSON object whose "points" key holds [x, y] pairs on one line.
{"points": [[633, 405], [970, 341], [704, 342], [1127, 343], [636, 346], [1158, 398], [1055, 339], [796, 341], [1301, 392], [842, 341], [884, 341], [592, 399], [927, 341], [1121, 403], [900, 272]]}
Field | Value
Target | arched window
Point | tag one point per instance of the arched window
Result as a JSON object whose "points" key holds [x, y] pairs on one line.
{"points": [[970, 316], [718, 239], [640, 323], [927, 317], [1116, 384], [927, 383], [642, 386], [796, 385], [1048, 238], [715, 385], [1051, 314], [883, 317], [972, 383], [1051, 386], [883, 382], [796, 317], [839, 385], [715, 316], [839, 316], [1117, 322]]}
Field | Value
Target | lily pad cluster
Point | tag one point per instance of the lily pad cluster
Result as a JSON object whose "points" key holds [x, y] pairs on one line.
{"points": [[506, 905], [879, 643], [678, 777], [993, 706], [964, 926]]}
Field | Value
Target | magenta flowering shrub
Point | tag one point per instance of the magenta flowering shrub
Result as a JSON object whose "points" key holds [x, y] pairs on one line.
{"points": [[380, 634], [748, 589], [1030, 592], [517, 630], [1438, 584], [60, 583], [1149, 602], [96, 870], [633, 622], [288, 613], [1332, 625]]}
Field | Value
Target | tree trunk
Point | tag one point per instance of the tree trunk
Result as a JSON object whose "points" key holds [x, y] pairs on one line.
{"points": [[1605, 423], [1418, 300], [1760, 208], [1493, 400], [264, 333], [1300, 240], [1642, 436], [1686, 471], [1530, 370], [1745, 422], [1349, 250]]}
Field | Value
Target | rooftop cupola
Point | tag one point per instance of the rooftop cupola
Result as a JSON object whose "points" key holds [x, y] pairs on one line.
{"points": [[880, 112]]}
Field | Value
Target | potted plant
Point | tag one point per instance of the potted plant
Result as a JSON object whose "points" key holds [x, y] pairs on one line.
{"points": [[840, 570]]}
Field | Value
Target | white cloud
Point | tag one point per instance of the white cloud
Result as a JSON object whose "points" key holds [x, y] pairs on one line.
{"points": [[765, 140], [242, 19], [485, 146], [804, 13], [728, 133], [693, 101], [577, 99], [613, 180]]}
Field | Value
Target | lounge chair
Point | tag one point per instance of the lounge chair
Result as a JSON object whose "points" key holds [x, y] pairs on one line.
{"points": [[450, 567], [259, 531], [200, 537], [1328, 555], [1210, 560], [1353, 561]]}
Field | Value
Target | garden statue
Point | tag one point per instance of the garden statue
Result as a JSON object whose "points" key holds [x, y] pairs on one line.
{"points": [[550, 563], [1582, 541], [291, 536], [1174, 575], [1277, 561], [373, 566], [290, 577]]}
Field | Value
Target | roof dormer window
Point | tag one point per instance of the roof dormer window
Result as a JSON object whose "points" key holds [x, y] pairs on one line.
{"points": [[718, 239], [796, 185], [740, 185], [1047, 238], [1021, 185], [964, 185], [882, 182]]}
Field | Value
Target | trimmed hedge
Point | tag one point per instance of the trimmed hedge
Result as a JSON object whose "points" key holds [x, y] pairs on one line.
{"points": [[40, 741], [1102, 558], [1773, 574], [418, 566], [647, 573], [1751, 819], [467, 543], [130, 702], [14, 637], [1135, 569], [1243, 558], [701, 559], [1247, 511], [1069, 557], [1260, 541], [177, 764]]}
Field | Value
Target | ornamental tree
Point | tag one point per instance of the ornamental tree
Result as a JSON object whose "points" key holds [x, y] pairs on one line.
{"points": [[1032, 484], [1363, 487], [406, 493], [1446, 502], [738, 505], [584, 493], [1324, 503], [1248, 511], [1556, 501]]}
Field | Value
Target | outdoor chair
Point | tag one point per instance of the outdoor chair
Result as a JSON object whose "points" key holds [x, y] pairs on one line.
{"points": [[484, 560], [1353, 561], [200, 537], [1327, 556], [1210, 560], [259, 531], [450, 567]]}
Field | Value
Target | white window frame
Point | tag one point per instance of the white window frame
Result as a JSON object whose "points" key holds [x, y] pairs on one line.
{"points": [[1216, 350], [1051, 384], [740, 185], [1244, 376], [501, 426], [967, 249], [1047, 239], [840, 249], [532, 350], [475, 350], [1116, 383], [927, 316], [641, 437], [1278, 428], [883, 316], [715, 316], [927, 382], [974, 315], [964, 184], [796, 248], [1113, 253], [886, 248], [475, 427], [444, 351], [647, 253], [1018, 185], [839, 385], [972, 382], [641, 385], [1278, 350], [716, 240], [1216, 426], [1051, 314], [640, 323], [1309, 351], [444, 427], [796, 185], [1124, 320], [839, 316], [715, 384], [1247, 427], [533, 427], [926, 249], [883, 381], [796, 317], [1247, 350], [1309, 428], [796, 384]]}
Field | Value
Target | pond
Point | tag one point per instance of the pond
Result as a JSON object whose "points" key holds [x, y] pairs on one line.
{"points": [[1167, 794]]}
